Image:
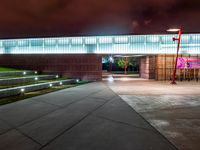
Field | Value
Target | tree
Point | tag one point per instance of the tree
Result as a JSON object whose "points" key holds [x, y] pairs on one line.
{"points": [[121, 62]]}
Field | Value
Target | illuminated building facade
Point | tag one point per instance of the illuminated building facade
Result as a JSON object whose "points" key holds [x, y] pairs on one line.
{"points": [[81, 56]]}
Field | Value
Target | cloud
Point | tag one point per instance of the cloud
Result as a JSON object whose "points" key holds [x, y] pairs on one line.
{"points": [[55, 17]]}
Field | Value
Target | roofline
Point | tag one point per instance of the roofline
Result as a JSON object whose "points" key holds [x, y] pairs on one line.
{"points": [[71, 36]]}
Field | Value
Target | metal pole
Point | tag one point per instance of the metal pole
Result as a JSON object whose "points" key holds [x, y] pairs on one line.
{"points": [[126, 62], [174, 73]]}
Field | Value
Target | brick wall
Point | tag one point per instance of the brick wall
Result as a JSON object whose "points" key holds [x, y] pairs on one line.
{"points": [[84, 66], [147, 67]]}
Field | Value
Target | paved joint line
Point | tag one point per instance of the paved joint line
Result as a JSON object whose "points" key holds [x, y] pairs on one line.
{"points": [[58, 107], [28, 136], [164, 138], [101, 98], [48, 103], [75, 124], [61, 107], [15, 128], [120, 122]]}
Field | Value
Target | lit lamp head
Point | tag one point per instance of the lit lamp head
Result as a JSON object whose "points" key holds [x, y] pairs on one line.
{"points": [[111, 59], [174, 30]]}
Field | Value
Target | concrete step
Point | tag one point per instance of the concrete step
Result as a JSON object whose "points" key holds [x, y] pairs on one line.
{"points": [[18, 80], [17, 73], [121, 75], [34, 87]]}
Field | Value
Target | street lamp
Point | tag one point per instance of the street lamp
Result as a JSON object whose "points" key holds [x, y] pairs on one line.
{"points": [[178, 46]]}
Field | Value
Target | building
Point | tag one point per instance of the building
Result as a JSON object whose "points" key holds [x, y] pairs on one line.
{"points": [[81, 57]]}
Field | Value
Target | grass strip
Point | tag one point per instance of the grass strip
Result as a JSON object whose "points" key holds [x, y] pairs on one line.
{"points": [[4, 69]]}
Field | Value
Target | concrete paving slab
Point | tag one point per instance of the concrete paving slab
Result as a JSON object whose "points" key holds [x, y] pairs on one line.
{"points": [[68, 96], [97, 119], [13, 140], [150, 87], [24, 111], [152, 103], [101, 134], [105, 94], [181, 126], [4, 127], [59, 99], [173, 110], [117, 110], [48, 127], [177, 117]]}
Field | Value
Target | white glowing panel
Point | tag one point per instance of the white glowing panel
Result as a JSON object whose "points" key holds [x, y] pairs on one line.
{"points": [[130, 44], [77, 40], [105, 40], [121, 39], [23, 43], [90, 40]]}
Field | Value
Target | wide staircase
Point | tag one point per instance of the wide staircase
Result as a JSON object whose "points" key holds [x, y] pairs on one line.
{"points": [[17, 82]]}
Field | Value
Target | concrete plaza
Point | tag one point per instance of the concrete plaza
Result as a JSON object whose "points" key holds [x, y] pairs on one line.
{"points": [[174, 110], [88, 117], [98, 116]]}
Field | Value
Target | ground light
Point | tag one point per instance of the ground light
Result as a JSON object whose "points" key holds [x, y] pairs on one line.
{"points": [[178, 47], [24, 73], [36, 78], [36, 72], [57, 76], [22, 90], [77, 80], [61, 83], [50, 85]]}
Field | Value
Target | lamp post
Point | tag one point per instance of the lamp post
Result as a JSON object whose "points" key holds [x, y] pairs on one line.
{"points": [[178, 47], [126, 65], [111, 60]]}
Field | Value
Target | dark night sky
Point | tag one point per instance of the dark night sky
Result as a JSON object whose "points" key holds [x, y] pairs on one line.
{"points": [[22, 18]]}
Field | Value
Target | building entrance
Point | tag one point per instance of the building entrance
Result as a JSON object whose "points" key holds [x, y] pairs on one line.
{"points": [[120, 66]]}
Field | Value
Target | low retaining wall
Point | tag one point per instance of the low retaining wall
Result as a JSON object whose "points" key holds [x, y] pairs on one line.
{"points": [[12, 81], [30, 88]]}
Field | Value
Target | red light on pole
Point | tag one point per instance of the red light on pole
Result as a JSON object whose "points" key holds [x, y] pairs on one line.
{"points": [[178, 47]]}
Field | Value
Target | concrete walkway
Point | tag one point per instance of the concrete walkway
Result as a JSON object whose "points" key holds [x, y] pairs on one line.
{"points": [[88, 117], [174, 110]]}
